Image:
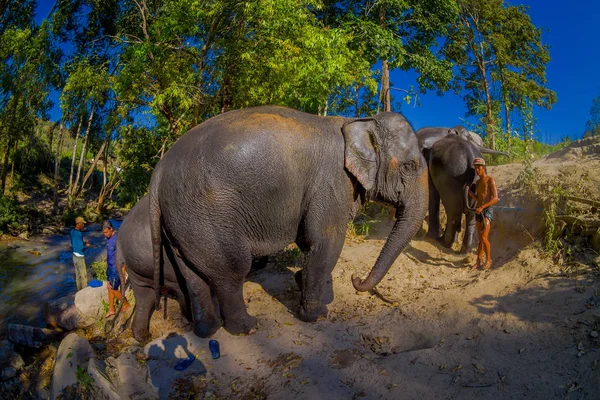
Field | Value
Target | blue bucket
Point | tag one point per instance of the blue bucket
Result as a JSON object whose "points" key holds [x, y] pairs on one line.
{"points": [[95, 283]]}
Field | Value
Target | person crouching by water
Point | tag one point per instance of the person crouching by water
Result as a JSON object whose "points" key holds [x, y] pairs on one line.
{"points": [[111, 271], [486, 196], [78, 246]]}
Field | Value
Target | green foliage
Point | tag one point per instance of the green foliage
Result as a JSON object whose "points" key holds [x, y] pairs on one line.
{"points": [[84, 380], [592, 126], [10, 213], [500, 60], [99, 270]]}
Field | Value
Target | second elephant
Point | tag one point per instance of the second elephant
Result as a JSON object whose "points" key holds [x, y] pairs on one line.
{"points": [[451, 171]]}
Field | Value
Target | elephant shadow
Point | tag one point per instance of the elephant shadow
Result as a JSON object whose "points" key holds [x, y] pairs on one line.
{"points": [[420, 256]]}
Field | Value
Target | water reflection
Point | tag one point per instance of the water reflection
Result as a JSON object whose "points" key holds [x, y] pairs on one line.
{"points": [[41, 270]]}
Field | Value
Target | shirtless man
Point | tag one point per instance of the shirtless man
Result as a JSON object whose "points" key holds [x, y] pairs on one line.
{"points": [[487, 196]]}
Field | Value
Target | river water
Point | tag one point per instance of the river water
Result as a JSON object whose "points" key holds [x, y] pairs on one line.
{"points": [[40, 270]]}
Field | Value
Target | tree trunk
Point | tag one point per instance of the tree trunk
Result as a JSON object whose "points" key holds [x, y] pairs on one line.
{"points": [[9, 144], [385, 72], [57, 166], [489, 116], [12, 162], [69, 189], [508, 134], [76, 186], [93, 166]]}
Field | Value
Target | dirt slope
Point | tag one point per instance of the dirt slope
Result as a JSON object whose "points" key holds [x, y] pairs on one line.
{"points": [[523, 329]]}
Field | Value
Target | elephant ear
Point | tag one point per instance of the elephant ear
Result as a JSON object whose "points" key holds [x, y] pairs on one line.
{"points": [[361, 151]]}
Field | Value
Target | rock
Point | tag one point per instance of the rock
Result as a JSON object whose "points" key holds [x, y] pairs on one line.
{"points": [[89, 301], [74, 351], [163, 355], [35, 252], [7, 373], [63, 314], [30, 336], [24, 235], [96, 369], [133, 379], [11, 362], [594, 334]]}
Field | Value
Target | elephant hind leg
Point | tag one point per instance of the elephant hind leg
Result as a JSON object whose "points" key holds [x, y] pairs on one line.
{"points": [[144, 305], [226, 274]]}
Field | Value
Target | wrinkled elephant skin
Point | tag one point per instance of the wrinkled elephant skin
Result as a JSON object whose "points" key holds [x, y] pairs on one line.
{"points": [[246, 183]]}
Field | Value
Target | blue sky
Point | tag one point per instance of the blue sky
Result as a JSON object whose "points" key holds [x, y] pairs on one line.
{"points": [[572, 32], [573, 35]]}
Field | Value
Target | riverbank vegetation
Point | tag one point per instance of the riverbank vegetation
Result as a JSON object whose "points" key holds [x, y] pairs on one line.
{"points": [[93, 93]]}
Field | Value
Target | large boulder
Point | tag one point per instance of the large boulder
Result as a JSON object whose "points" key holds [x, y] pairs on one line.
{"points": [[74, 351], [10, 361], [97, 370], [63, 313], [89, 301], [133, 378], [30, 336]]}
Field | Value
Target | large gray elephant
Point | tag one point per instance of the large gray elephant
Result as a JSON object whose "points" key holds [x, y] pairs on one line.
{"points": [[429, 136], [452, 173], [248, 182], [134, 250]]}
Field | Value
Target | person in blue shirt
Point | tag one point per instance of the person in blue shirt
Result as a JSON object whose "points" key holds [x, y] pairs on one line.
{"points": [[112, 275], [78, 246]]}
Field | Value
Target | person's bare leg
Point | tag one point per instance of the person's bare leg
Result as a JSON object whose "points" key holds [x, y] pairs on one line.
{"points": [[479, 247], [486, 243], [111, 302]]}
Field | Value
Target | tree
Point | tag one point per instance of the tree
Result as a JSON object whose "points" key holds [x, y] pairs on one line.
{"points": [[497, 45], [592, 126], [27, 74], [399, 34]]}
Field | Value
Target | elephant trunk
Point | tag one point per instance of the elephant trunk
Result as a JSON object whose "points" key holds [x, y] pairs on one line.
{"points": [[485, 150], [409, 219]]}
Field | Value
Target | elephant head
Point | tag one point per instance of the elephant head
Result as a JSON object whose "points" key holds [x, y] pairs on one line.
{"points": [[383, 154]]}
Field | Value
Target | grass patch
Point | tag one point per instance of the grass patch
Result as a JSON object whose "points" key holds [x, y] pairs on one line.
{"points": [[99, 270]]}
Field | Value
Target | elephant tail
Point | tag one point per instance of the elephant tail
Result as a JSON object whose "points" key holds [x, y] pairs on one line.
{"points": [[156, 234]]}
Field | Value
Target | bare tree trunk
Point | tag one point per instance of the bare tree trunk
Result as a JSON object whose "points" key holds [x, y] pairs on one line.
{"points": [[57, 166], [508, 134], [76, 188], [12, 162], [385, 72], [93, 166], [73, 158], [5, 165], [489, 116]]}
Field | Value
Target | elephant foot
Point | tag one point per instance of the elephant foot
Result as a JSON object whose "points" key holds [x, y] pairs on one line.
{"points": [[241, 326], [443, 242], [141, 336], [205, 330], [312, 314], [431, 235]]}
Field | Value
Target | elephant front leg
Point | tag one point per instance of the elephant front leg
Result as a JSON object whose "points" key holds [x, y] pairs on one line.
{"points": [[321, 258], [452, 226], [469, 231], [434, 211]]}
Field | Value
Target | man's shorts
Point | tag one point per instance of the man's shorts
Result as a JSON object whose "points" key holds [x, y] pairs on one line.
{"points": [[487, 213], [113, 279]]}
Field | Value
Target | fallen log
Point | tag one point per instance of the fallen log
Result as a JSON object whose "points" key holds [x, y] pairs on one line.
{"points": [[569, 219], [594, 203]]}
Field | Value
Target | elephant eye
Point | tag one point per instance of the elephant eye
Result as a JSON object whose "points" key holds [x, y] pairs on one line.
{"points": [[410, 165]]}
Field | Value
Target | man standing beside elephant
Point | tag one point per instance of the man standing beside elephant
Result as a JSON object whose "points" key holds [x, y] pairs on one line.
{"points": [[486, 197]]}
